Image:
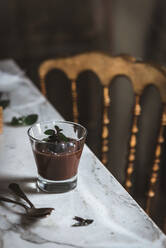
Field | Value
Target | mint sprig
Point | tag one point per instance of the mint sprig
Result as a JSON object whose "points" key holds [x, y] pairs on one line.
{"points": [[55, 135], [24, 120]]}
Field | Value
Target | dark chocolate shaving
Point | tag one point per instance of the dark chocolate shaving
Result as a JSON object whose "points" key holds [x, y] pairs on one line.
{"points": [[82, 222]]}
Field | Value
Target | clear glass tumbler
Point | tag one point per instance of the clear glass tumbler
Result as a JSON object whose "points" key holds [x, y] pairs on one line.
{"points": [[57, 155]]}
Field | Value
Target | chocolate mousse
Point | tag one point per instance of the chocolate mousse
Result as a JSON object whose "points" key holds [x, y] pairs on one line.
{"points": [[57, 156], [57, 165]]}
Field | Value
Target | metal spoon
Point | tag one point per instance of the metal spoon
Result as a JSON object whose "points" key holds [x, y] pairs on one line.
{"points": [[15, 188], [30, 212]]}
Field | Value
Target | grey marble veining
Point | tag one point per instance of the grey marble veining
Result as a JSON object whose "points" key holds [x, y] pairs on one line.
{"points": [[118, 221]]}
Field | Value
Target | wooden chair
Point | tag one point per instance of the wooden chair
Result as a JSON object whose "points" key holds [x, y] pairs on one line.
{"points": [[108, 68], [1, 120]]}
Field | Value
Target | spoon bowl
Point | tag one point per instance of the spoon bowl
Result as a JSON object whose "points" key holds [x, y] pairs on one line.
{"points": [[30, 212], [15, 188]]}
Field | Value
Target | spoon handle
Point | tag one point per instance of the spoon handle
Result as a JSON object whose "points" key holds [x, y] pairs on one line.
{"points": [[18, 191], [12, 201]]}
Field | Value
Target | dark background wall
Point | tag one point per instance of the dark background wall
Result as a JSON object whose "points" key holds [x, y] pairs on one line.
{"points": [[35, 30], [31, 31]]}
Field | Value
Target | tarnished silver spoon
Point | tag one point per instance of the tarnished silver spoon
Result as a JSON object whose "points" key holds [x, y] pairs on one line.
{"points": [[30, 212], [15, 188]]}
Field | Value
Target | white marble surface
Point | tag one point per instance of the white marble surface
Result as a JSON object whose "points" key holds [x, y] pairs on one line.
{"points": [[118, 221]]}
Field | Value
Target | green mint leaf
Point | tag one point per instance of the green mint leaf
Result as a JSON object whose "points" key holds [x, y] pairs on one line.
{"points": [[30, 119], [17, 121], [24, 120], [58, 129], [14, 121], [62, 137], [49, 132], [4, 103], [21, 120], [55, 136]]}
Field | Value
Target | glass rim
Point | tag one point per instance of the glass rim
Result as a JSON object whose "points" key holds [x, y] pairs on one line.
{"points": [[56, 121]]}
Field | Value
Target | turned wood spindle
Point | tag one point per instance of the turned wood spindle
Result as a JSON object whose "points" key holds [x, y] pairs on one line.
{"points": [[74, 100], [156, 163], [106, 121], [132, 144]]}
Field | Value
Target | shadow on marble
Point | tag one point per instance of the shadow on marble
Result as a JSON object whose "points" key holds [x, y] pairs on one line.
{"points": [[19, 211], [24, 221], [28, 184], [29, 222], [9, 208]]}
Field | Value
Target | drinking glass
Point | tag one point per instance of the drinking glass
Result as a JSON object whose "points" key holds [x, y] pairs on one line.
{"points": [[57, 162]]}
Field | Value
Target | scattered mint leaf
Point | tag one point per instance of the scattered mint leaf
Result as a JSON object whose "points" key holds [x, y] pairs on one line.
{"points": [[30, 119], [14, 121], [4, 103]]}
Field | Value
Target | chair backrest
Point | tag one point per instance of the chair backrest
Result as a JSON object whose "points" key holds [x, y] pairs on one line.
{"points": [[107, 69]]}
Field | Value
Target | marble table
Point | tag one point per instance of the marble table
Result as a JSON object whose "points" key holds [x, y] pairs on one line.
{"points": [[118, 220]]}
